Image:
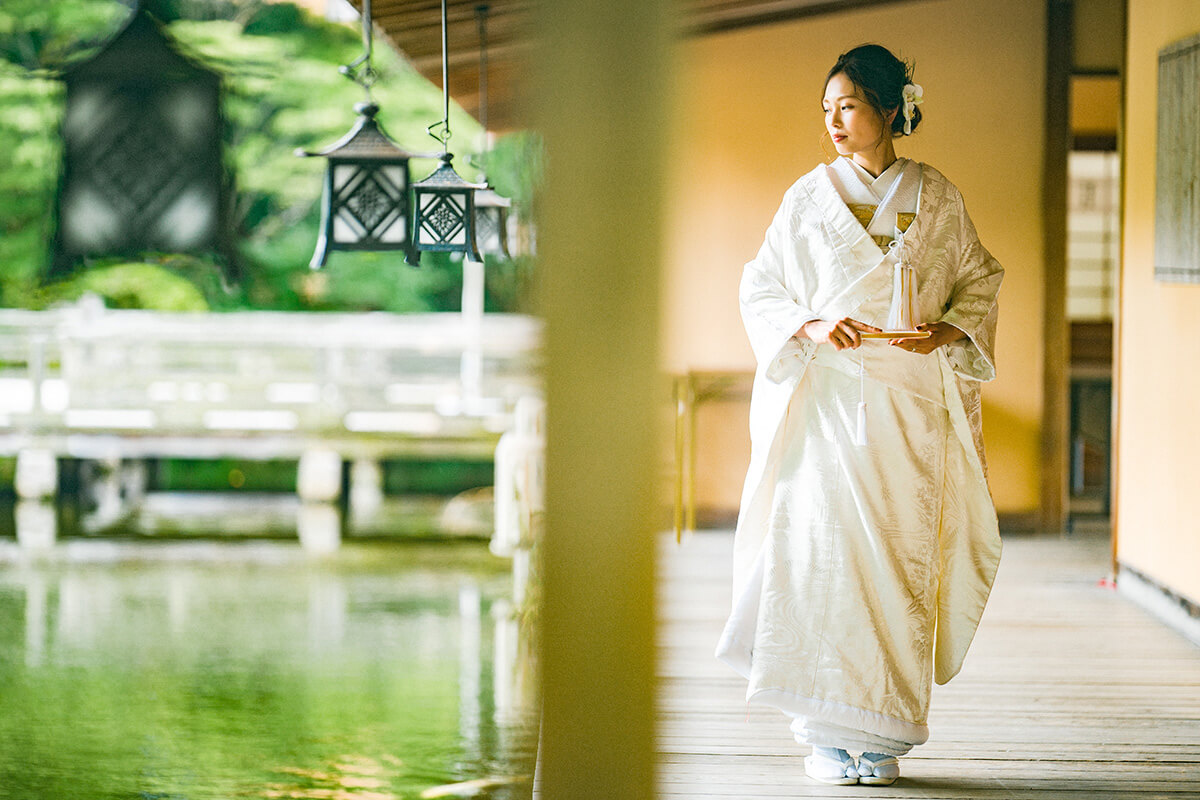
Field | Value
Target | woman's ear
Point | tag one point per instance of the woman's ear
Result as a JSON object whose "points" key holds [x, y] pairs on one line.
{"points": [[891, 116]]}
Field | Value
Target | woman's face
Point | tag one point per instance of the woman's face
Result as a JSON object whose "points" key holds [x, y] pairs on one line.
{"points": [[853, 124]]}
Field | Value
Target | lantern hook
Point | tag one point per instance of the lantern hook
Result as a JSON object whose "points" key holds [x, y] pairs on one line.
{"points": [[440, 130], [360, 70]]}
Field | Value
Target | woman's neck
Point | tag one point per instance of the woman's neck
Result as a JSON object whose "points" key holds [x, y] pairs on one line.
{"points": [[877, 160]]}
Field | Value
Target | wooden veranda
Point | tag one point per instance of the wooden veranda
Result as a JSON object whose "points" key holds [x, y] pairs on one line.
{"points": [[1070, 691]]}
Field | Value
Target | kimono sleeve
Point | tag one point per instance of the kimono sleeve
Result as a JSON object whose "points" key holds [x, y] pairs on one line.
{"points": [[770, 312], [972, 307]]}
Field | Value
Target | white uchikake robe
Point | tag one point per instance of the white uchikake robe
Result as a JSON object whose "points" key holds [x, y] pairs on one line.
{"points": [[861, 572]]}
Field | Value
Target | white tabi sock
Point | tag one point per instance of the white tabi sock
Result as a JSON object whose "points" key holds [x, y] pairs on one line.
{"points": [[839, 756], [878, 768]]}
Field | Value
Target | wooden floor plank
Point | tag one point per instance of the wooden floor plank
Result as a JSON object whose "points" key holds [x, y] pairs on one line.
{"points": [[1069, 692]]}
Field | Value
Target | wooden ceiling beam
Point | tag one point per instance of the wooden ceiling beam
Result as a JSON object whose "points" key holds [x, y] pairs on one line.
{"points": [[431, 63], [414, 28], [706, 17]]}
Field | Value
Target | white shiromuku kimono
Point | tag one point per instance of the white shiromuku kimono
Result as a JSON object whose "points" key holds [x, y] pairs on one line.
{"points": [[862, 566]]}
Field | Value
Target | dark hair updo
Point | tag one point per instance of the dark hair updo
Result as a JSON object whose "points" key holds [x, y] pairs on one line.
{"points": [[881, 77]]}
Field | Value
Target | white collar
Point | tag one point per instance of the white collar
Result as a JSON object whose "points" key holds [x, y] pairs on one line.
{"points": [[853, 175]]}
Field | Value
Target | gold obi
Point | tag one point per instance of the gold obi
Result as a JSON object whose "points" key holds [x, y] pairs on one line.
{"points": [[865, 212]]}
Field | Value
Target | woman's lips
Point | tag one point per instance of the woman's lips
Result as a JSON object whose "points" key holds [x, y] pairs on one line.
{"points": [[839, 137]]}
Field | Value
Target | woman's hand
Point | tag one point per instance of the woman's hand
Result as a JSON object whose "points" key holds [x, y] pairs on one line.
{"points": [[940, 333], [842, 333]]}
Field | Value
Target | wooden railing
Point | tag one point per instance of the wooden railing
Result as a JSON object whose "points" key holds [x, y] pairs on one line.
{"points": [[693, 389], [92, 382]]}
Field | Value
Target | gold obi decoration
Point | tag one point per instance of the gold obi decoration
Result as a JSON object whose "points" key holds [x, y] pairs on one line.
{"points": [[865, 212]]}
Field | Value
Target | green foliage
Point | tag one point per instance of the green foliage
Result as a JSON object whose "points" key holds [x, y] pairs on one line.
{"points": [[515, 166], [38, 35], [275, 18], [435, 476], [180, 474], [8, 474], [283, 92], [131, 285], [28, 136]]}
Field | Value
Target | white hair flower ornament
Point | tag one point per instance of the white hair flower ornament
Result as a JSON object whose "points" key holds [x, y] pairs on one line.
{"points": [[913, 96]]}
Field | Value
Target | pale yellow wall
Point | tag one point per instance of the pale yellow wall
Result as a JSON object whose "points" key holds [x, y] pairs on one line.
{"points": [[1158, 439], [749, 121], [1095, 104]]}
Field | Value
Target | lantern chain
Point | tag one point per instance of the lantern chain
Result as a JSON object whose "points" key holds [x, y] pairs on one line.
{"points": [[481, 12], [441, 130]]}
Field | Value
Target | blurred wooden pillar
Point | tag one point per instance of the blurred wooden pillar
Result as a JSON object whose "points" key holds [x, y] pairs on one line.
{"points": [[600, 72], [1056, 357]]}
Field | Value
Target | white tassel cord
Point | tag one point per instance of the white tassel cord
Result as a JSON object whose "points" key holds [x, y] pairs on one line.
{"points": [[902, 315]]}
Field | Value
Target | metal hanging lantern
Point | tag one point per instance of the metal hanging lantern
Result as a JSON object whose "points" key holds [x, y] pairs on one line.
{"points": [[366, 201], [445, 203], [141, 154], [491, 222], [445, 212], [365, 205]]}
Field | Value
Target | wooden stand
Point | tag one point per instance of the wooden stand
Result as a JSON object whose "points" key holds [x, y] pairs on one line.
{"points": [[896, 335]]}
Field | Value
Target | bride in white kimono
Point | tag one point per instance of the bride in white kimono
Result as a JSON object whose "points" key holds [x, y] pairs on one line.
{"points": [[867, 541]]}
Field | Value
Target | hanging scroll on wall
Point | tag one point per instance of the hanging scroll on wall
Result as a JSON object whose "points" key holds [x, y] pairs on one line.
{"points": [[1177, 200]]}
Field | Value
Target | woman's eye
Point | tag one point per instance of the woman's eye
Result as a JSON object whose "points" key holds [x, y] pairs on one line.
{"points": [[847, 108]]}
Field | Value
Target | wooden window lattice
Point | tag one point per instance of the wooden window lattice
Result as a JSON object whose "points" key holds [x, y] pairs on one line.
{"points": [[1177, 200]]}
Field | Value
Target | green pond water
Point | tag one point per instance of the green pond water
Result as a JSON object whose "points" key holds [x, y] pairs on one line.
{"points": [[147, 670]]}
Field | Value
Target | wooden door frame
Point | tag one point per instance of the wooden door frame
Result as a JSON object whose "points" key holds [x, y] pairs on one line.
{"points": [[1056, 355]]}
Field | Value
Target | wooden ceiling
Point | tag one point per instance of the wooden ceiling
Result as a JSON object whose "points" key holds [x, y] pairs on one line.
{"points": [[414, 28]]}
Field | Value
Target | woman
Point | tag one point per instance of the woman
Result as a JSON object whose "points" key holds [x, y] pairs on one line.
{"points": [[867, 540]]}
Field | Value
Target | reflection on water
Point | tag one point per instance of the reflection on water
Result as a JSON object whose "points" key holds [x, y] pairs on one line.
{"points": [[256, 669], [200, 515]]}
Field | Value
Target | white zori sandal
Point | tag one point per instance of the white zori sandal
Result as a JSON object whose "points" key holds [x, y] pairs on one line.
{"points": [[876, 769], [823, 768]]}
